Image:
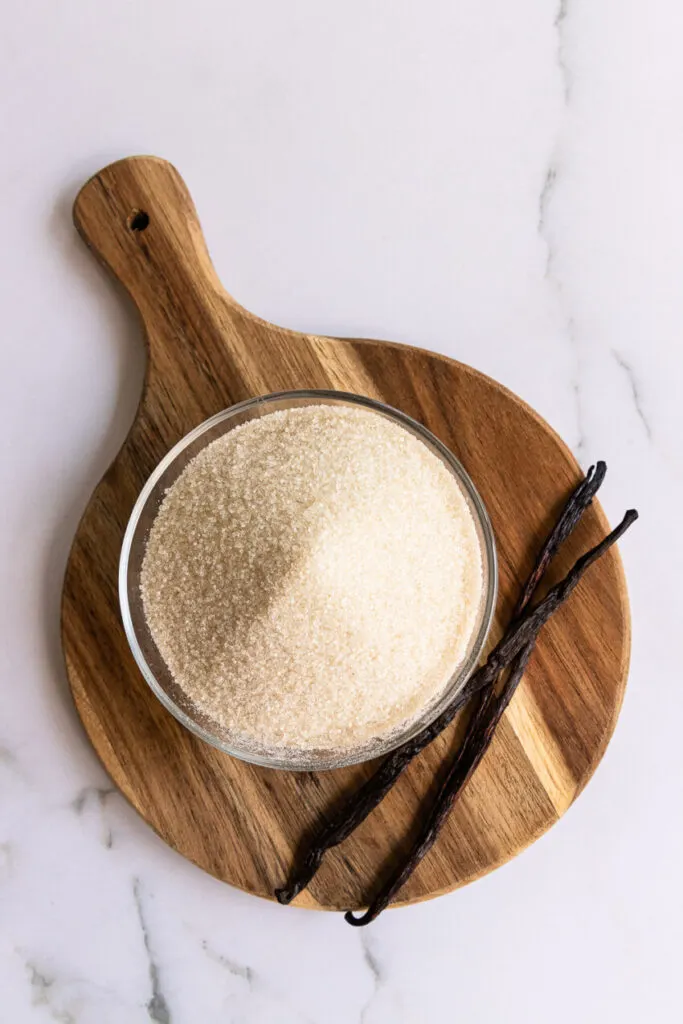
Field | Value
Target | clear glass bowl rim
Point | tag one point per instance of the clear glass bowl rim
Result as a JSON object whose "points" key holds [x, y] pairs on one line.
{"points": [[459, 677]]}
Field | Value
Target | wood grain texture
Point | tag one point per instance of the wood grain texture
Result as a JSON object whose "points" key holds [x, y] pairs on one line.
{"points": [[241, 823]]}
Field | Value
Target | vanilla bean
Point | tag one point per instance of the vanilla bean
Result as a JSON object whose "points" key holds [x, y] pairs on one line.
{"points": [[482, 727], [364, 800], [572, 512], [486, 719]]}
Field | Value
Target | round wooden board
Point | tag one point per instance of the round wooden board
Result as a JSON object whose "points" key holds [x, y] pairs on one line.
{"points": [[244, 824]]}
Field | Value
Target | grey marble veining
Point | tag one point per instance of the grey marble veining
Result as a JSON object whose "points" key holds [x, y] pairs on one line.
{"points": [[562, 57], [635, 387], [157, 1006], [375, 971], [96, 797], [236, 970]]}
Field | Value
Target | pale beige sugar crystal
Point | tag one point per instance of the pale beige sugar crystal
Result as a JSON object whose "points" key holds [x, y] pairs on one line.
{"points": [[313, 578]]}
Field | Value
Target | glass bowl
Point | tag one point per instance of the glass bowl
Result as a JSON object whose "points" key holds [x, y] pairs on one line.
{"points": [[138, 633]]}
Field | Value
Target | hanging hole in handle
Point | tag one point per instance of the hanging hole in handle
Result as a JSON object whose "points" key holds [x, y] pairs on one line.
{"points": [[138, 220]]}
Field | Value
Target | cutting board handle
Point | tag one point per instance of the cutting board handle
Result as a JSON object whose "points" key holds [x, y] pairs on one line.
{"points": [[138, 217]]}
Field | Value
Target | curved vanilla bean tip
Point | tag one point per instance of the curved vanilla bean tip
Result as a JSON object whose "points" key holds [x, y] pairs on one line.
{"points": [[359, 922]]}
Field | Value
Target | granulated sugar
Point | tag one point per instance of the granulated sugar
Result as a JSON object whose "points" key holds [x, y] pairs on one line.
{"points": [[313, 578]]}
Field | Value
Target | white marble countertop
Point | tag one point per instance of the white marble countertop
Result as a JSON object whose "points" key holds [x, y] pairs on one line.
{"points": [[498, 181]]}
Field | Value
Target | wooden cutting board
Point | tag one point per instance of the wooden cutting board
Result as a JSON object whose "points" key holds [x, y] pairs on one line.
{"points": [[241, 823]]}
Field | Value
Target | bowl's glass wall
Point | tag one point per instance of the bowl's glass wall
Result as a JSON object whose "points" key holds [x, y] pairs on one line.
{"points": [[142, 644]]}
